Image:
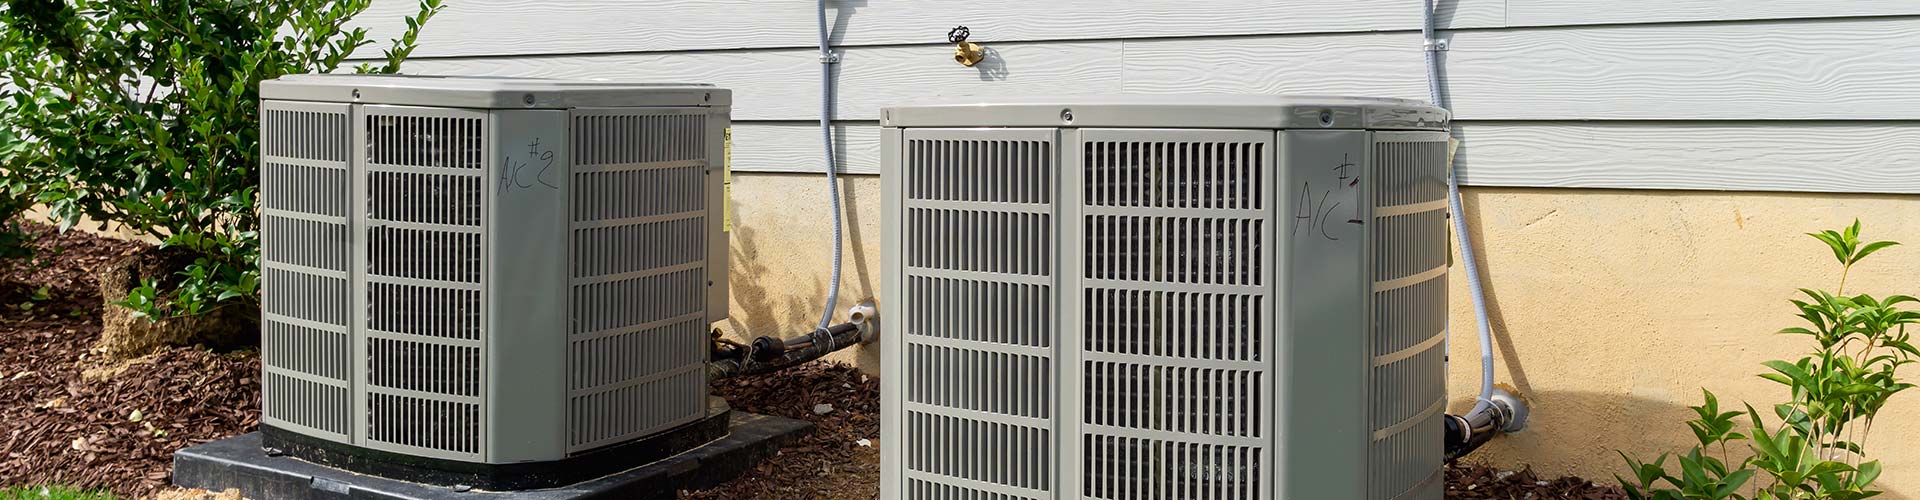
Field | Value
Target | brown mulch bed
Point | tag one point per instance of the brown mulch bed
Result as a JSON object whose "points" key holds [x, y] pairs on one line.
{"points": [[67, 415], [1479, 482], [829, 463]]}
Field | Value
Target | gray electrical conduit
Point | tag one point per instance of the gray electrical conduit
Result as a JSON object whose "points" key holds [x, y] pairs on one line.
{"points": [[1485, 401], [826, 144]]}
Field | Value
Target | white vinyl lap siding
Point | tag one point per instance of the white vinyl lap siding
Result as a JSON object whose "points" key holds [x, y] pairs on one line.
{"points": [[1760, 95]]}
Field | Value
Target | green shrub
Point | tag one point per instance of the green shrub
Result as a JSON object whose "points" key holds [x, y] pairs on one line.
{"points": [[145, 114], [17, 194], [1817, 448]]}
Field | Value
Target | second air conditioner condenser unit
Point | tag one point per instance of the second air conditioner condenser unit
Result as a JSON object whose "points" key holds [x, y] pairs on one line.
{"points": [[1204, 297]]}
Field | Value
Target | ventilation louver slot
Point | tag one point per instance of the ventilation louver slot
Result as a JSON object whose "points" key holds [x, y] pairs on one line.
{"points": [[1175, 389], [1018, 456], [305, 257], [424, 256], [1210, 251], [1119, 468], [1168, 324], [637, 350], [1180, 399], [979, 250], [927, 490], [1224, 175], [993, 376], [1408, 326], [1007, 313]]}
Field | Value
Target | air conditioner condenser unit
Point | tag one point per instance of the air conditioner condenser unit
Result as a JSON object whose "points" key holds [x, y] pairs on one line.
{"points": [[1192, 297], [472, 279]]}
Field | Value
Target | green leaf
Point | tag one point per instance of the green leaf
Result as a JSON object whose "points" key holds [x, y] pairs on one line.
{"points": [[1869, 471], [1732, 483], [1834, 242], [1829, 467], [1858, 389], [1794, 372]]}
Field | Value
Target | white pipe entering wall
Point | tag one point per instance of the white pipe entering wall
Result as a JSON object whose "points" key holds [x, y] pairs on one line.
{"points": [[1485, 401], [826, 143]]}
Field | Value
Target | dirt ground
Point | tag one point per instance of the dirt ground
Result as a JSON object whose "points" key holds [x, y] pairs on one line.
{"points": [[829, 463], [66, 417]]}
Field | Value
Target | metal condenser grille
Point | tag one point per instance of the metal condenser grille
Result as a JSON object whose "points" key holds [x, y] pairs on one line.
{"points": [[978, 244], [638, 253], [1174, 387], [1408, 326], [305, 254], [424, 255]]}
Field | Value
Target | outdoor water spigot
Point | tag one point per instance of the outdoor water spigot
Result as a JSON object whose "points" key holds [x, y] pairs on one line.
{"points": [[964, 52]]}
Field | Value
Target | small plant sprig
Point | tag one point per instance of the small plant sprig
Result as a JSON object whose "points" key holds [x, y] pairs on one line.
{"points": [[1817, 450]]}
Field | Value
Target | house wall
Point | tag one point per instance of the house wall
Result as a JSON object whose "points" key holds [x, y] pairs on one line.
{"points": [[1640, 171]]}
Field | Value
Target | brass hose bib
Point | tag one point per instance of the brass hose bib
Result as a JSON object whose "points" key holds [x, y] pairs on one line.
{"points": [[964, 52]]}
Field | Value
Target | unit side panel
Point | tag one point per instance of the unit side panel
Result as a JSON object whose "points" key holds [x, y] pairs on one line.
{"points": [[423, 356], [1408, 320], [1325, 420], [719, 144], [976, 302], [892, 189], [526, 244], [640, 218], [306, 252], [1175, 364]]}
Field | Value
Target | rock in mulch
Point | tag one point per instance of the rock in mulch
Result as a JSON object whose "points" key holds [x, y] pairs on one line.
{"points": [[70, 416], [830, 462]]}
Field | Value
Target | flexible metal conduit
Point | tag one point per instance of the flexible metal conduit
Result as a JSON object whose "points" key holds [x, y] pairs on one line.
{"points": [[827, 61], [1485, 399], [1494, 411]]}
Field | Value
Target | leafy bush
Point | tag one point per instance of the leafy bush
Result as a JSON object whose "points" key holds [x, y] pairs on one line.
{"points": [[17, 194], [1817, 450], [145, 114]]}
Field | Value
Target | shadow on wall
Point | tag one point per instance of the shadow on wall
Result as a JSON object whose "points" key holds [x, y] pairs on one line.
{"points": [[992, 68], [769, 302], [755, 311], [1516, 371], [1577, 427]]}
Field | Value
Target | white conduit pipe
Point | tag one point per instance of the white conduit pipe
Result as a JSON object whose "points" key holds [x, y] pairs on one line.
{"points": [[826, 143], [1485, 401]]}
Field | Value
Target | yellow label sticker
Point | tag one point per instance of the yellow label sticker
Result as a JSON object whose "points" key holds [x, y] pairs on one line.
{"points": [[726, 183]]}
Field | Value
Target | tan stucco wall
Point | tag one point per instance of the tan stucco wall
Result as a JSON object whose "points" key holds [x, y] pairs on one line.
{"points": [[1611, 308]]}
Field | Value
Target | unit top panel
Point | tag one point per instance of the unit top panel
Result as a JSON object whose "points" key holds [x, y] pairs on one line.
{"points": [[1171, 111], [488, 92]]}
